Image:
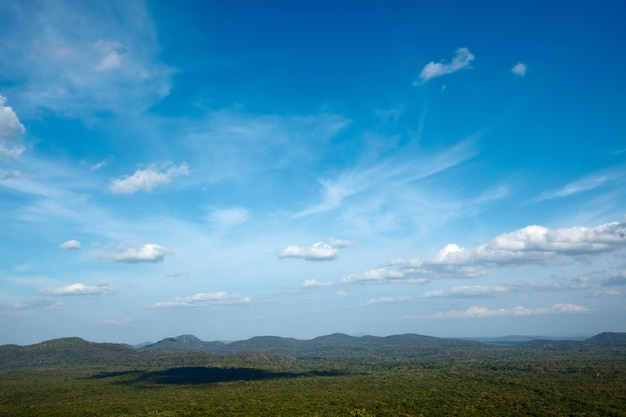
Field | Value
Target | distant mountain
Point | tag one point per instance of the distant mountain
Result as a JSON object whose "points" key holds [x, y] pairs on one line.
{"points": [[65, 351], [517, 339], [607, 339], [188, 350], [330, 346], [603, 342], [184, 342]]}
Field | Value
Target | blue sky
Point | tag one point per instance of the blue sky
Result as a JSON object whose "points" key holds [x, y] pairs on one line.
{"points": [[303, 168]]}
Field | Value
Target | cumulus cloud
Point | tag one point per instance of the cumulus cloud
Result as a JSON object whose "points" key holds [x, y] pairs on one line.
{"points": [[70, 245], [519, 69], [467, 291], [481, 312], [530, 245], [535, 244], [462, 59], [150, 252], [204, 299], [11, 130], [320, 251], [147, 179], [311, 283], [78, 289]]}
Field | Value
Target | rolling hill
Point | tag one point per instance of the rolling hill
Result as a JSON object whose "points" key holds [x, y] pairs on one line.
{"points": [[189, 350]]}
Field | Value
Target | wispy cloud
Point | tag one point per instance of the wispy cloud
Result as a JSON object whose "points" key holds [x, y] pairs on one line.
{"points": [[78, 289], [467, 291], [223, 219], [481, 312], [149, 253], [147, 179], [83, 57], [320, 251], [519, 69], [204, 299], [32, 304], [586, 183], [387, 300], [70, 245], [391, 174], [462, 59]]}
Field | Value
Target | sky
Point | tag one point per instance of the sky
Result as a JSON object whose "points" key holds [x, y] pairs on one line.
{"points": [[239, 169]]}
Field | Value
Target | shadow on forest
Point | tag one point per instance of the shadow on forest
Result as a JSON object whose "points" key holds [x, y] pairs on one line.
{"points": [[205, 375]]}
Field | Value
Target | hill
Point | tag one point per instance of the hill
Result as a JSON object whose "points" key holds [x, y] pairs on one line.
{"points": [[188, 350]]}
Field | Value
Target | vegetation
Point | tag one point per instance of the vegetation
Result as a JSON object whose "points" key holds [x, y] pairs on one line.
{"points": [[535, 379]]}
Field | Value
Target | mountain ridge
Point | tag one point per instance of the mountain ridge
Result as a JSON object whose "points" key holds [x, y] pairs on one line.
{"points": [[187, 349]]}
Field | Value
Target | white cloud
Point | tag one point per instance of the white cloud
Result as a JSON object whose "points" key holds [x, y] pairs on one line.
{"points": [[10, 126], [11, 130], [377, 275], [204, 298], [70, 244], [461, 60], [78, 289], [519, 69], [480, 312], [535, 244], [311, 283], [466, 291], [388, 300], [147, 253], [147, 179], [320, 251], [97, 166], [530, 245]]}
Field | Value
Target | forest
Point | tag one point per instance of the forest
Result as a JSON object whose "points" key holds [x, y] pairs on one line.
{"points": [[399, 377]]}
